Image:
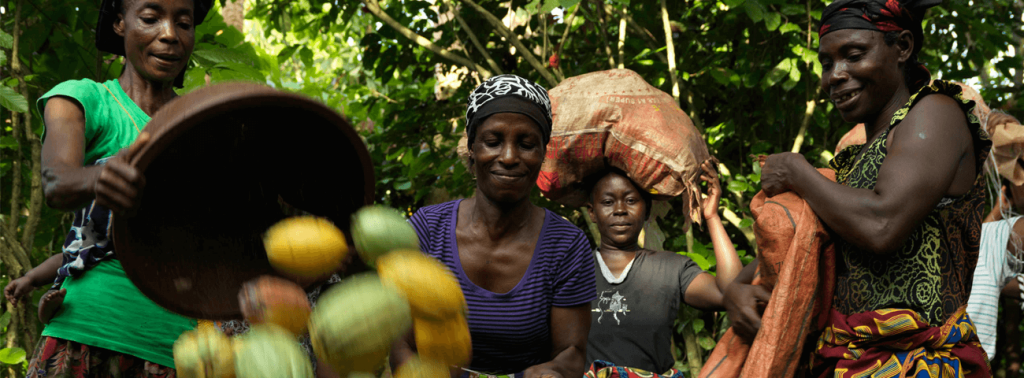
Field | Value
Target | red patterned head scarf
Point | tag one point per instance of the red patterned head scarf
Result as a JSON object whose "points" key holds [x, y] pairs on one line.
{"points": [[882, 16]]}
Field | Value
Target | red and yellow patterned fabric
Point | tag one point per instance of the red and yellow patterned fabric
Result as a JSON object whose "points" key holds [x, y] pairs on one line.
{"points": [[899, 343], [604, 369]]}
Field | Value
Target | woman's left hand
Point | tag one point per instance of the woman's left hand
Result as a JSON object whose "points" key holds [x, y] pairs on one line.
{"points": [[777, 172]]}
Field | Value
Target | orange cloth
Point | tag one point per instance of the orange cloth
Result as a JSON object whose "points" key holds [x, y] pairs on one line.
{"points": [[797, 263]]}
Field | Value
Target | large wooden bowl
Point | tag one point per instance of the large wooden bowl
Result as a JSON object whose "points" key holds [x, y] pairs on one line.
{"points": [[219, 165]]}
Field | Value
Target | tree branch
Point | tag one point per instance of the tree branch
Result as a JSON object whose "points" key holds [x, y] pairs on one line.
{"points": [[565, 36], [12, 223], [602, 31], [476, 42], [811, 103], [622, 39], [375, 9], [671, 51], [652, 43], [35, 204], [511, 37]]}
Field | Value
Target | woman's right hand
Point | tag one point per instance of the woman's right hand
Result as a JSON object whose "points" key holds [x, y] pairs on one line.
{"points": [[119, 185], [18, 289], [741, 301]]}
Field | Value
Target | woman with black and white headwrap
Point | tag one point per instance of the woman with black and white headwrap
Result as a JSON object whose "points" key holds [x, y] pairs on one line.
{"points": [[526, 272]]}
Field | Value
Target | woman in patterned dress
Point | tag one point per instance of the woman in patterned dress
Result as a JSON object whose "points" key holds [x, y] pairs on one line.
{"points": [[906, 207]]}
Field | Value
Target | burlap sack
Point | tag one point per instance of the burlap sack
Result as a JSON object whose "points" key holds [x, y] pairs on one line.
{"points": [[797, 263], [616, 118]]}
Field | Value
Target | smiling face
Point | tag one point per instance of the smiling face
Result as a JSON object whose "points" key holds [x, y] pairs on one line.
{"points": [[860, 72], [506, 157], [158, 36], [619, 210]]}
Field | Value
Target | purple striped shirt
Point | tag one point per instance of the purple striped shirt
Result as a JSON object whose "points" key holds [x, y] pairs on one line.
{"points": [[511, 331]]}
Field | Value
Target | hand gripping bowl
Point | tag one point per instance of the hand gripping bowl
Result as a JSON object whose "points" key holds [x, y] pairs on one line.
{"points": [[219, 162]]}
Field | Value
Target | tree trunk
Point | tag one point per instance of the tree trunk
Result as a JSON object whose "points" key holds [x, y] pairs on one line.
{"points": [[693, 356], [670, 46], [35, 205], [16, 251], [234, 13]]}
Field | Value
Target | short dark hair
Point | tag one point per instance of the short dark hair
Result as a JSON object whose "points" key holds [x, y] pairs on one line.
{"points": [[590, 183]]}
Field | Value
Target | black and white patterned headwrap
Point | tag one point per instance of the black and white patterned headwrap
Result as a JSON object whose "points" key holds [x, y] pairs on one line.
{"points": [[509, 94]]}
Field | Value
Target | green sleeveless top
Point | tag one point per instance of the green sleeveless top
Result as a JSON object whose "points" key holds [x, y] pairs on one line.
{"points": [[933, 271]]}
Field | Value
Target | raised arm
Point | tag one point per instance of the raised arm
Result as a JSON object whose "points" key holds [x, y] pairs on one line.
{"points": [[706, 291], [931, 155], [67, 184], [569, 329], [728, 262]]}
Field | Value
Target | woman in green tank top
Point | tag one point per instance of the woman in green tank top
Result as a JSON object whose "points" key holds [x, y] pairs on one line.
{"points": [[906, 208], [97, 321]]}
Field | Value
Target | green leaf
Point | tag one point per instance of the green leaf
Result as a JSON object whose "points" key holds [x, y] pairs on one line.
{"points": [[307, 57], [286, 53], [699, 260], [755, 10], [719, 75], [6, 40], [7, 142], [5, 319], [706, 342], [732, 3], [698, 325], [221, 55], [746, 222], [806, 55], [12, 100], [789, 27], [531, 8], [405, 185], [245, 72], [549, 5], [792, 9], [12, 356], [738, 186], [772, 21], [778, 73]]}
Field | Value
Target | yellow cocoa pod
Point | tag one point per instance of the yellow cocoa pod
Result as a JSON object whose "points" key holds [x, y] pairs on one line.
{"points": [[431, 289], [269, 299], [422, 368], [305, 247], [204, 353], [378, 230], [447, 341], [355, 322], [270, 351]]}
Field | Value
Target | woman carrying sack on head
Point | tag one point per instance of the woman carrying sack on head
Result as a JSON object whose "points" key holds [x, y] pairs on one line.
{"points": [[97, 322]]}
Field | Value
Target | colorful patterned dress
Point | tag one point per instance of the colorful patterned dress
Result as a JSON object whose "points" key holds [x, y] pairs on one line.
{"points": [[902, 313]]}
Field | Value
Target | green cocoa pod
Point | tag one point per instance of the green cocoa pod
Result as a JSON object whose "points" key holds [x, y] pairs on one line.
{"points": [[355, 322], [377, 230], [270, 351]]}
